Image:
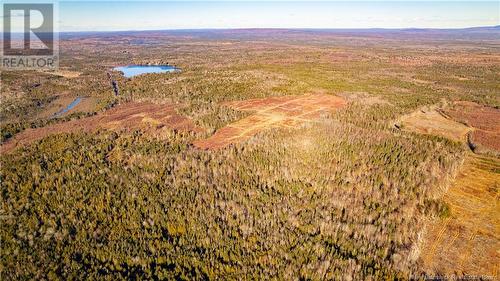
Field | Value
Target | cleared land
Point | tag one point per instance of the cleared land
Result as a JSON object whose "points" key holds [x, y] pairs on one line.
{"points": [[273, 112], [433, 122], [467, 242], [484, 119], [457, 121], [128, 116], [64, 73]]}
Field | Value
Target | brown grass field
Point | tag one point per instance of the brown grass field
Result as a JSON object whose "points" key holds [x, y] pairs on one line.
{"points": [[484, 119], [64, 73], [273, 112], [468, 241], [128, 116], [456, 121], [433, 122]]}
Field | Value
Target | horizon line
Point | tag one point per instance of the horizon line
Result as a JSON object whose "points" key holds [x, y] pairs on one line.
{"points": [[281, 28], [286, 28]]}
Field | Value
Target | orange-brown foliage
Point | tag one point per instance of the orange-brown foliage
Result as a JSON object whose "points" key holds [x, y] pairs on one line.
{"points": [[127, 116], [287, 111]]}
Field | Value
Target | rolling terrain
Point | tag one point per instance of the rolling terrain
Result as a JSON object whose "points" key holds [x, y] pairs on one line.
{"points": [[271, 154]]}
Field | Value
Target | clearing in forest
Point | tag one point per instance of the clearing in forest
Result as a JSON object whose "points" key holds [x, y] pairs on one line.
{"points": [[286, 111], [468, 241], [434, 122], [66, 73], [66, 104], [128, 116], [485, 121], [458, 122]]}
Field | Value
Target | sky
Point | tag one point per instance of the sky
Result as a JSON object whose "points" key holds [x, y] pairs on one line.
{"points": [[155, 15]]}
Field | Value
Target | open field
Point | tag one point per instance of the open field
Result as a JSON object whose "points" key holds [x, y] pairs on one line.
{"points": [[433, 122], [276, 112], [468, 122], [310, 180], [64, 73], [484, 120], [467, 241]]}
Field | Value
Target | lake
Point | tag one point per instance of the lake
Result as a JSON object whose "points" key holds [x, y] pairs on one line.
{"points": [[134, 70]]}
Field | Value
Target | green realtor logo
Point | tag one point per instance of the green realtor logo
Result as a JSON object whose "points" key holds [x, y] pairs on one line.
{"points": [[29, 38]]}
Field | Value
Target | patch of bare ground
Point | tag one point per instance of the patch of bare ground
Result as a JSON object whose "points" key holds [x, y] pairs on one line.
{"points": [[468, 241], [64, 73], [484, 119], [463, 121], [272, 112], [128, 116], [433, 122]]}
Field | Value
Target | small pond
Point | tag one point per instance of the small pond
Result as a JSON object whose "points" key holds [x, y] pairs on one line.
{"points": [[134, 70], [70, 106]]}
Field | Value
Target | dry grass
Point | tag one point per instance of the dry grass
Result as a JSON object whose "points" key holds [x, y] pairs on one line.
{"points": [[432, 122], [487, 139], [64, 73], [484, 119], [467, 242], [286, 111]]}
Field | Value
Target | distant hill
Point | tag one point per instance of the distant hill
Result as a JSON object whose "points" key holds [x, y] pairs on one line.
{"points": [[483, 32]]}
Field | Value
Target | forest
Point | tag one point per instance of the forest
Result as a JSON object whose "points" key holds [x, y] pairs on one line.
{"points": [[346, 197]]}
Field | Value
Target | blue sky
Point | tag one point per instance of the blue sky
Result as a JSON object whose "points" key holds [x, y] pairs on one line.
{"points": [[144, 15]]}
